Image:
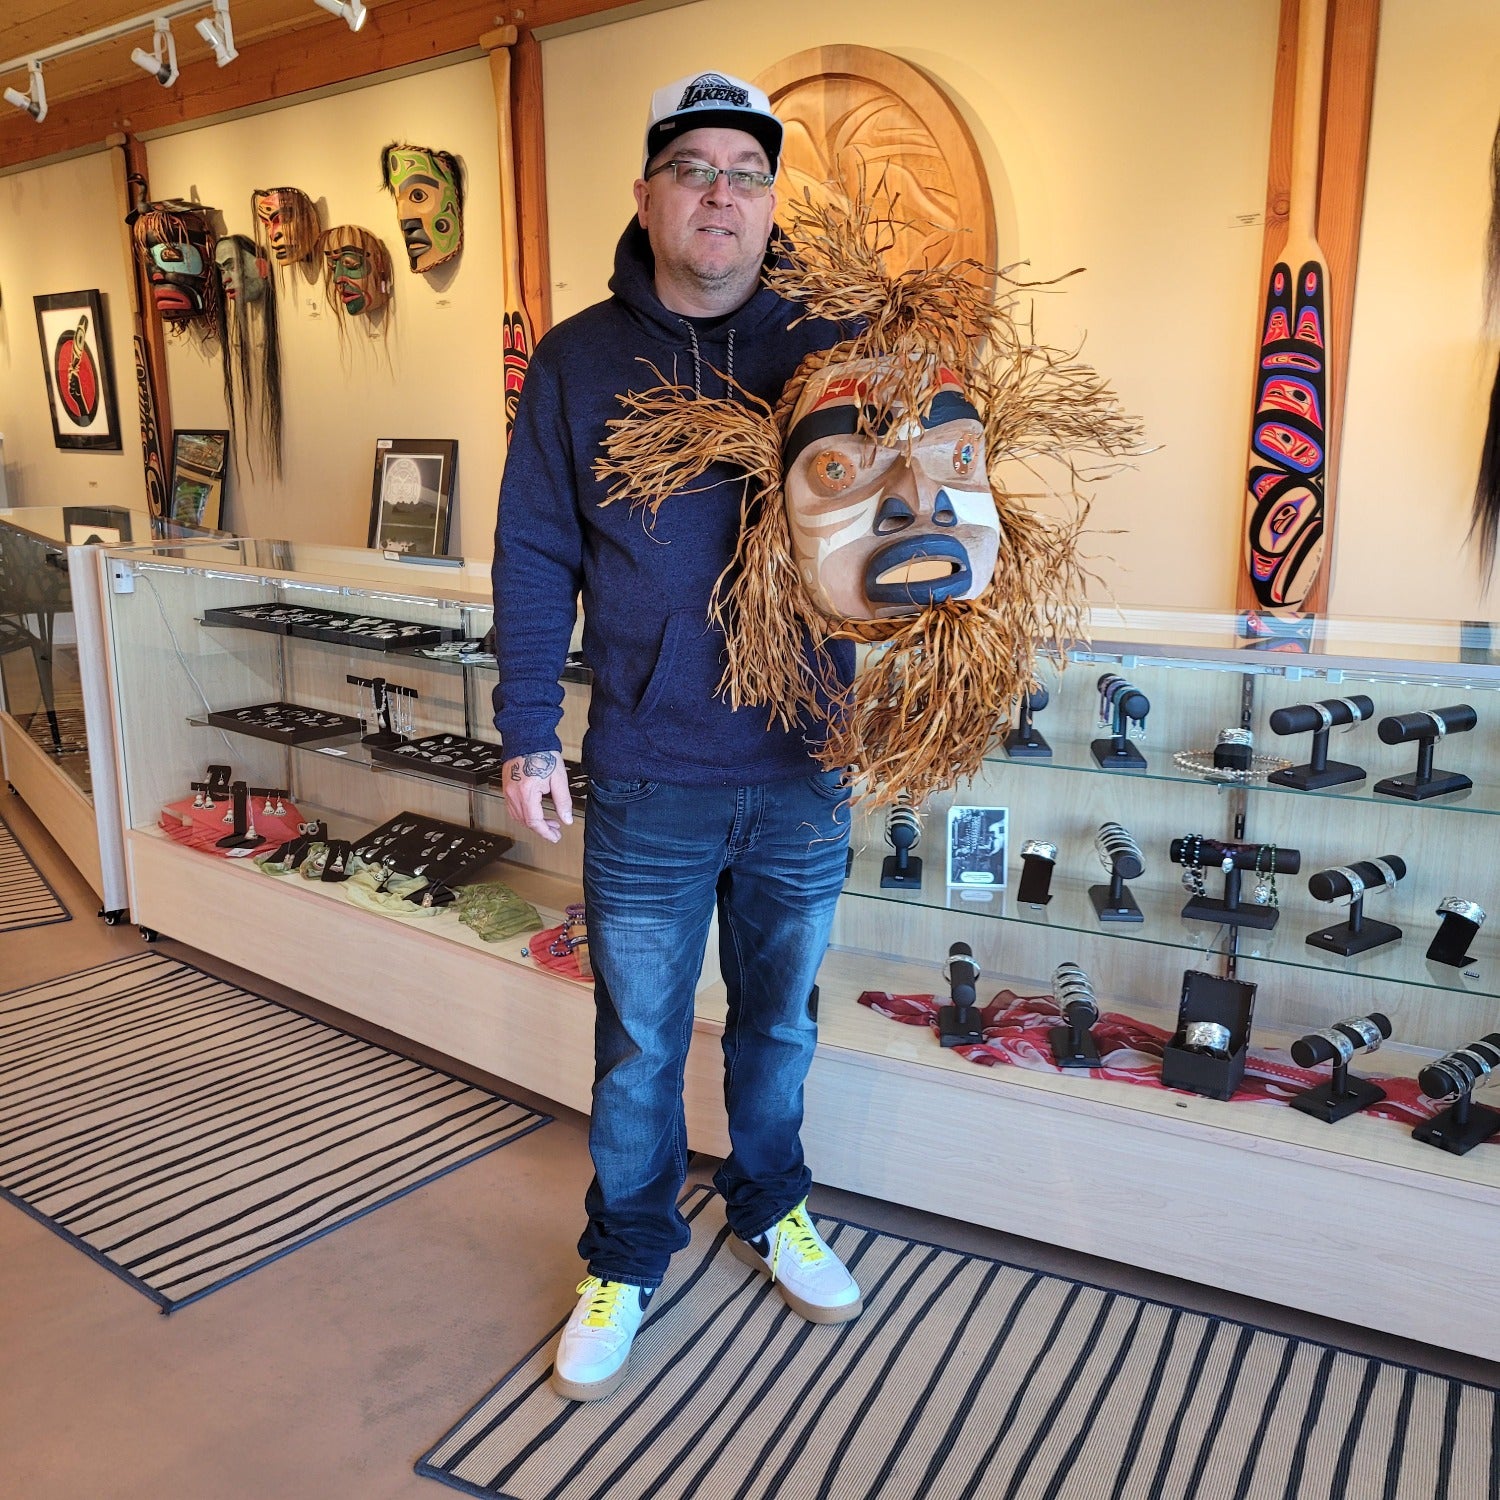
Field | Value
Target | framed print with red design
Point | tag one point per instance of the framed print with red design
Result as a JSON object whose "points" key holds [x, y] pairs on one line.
{"points": [[79, 371]]}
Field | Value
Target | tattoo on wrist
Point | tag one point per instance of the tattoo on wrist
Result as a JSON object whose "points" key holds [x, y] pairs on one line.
{"points": [[541, 765]]}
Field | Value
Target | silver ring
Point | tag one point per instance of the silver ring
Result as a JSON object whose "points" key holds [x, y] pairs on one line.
{"points": [[1456, 906], [1338, 1041], [1039, 849], [1236, 737], [1324, 713], [1369, 1032], [1439, 723], [1356, 882], [1207, 1036]]}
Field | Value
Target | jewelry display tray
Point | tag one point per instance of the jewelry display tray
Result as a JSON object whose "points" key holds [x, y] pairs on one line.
{"points": [[235, 720], [409, 841], [423, 755], [368, 632]]}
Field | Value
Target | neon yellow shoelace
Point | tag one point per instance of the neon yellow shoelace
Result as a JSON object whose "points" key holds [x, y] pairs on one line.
{"points": [[604, 1301], [797, 1229]]}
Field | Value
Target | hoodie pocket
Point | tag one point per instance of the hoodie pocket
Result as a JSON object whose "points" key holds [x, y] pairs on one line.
{"points": [[679, 712]]}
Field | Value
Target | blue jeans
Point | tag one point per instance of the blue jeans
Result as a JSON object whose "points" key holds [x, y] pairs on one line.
{"points": [[657, 858]]}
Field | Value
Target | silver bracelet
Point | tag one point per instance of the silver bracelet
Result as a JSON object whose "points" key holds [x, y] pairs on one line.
{"points": [[1324, 713], [1456, 906], [1356, 882], [1207, 1036], [1338, 1041], [1039, 849], [1439, 723], [1236, 737], [1388, 874], [1369, 1032], [1355, 712]]}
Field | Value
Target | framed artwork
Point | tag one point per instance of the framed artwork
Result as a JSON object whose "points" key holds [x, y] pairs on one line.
{"points": [[977, 838], [412, 499], [195, 496], [79, 371]]}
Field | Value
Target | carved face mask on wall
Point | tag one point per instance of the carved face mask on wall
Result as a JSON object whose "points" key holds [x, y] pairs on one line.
{"points": [[176, 242], [428, 188], [356, 270], [884, 526], [286, 222], [242, 272]]}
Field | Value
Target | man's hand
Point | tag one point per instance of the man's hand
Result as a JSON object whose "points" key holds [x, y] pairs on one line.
{"points": [[527, 779]]}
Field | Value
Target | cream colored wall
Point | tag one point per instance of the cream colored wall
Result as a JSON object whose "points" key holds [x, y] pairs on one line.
{"points": [[443, 375], [1420, 373], [1129, 134], [59, 232]]}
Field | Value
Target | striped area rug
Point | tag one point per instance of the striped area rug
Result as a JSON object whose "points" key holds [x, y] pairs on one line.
{"points": [[26, 900], [185, 1132], [972, 1380]]}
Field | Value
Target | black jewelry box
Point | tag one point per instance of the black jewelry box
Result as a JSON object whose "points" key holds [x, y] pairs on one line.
{"points": [[1226, 1002]]}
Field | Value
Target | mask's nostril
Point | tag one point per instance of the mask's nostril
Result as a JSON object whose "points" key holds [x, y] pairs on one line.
{"points": [[894, 515]]}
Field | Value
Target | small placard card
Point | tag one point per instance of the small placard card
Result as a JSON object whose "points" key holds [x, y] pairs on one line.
{"points": [[977, 839]]}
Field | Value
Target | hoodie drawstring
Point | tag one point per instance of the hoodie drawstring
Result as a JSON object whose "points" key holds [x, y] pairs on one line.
{"points": [[698, 359]]}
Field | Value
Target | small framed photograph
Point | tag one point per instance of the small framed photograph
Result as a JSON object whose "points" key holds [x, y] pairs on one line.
{"points": [[196, 494], [412, 499], [977, 838], [79, 370]]}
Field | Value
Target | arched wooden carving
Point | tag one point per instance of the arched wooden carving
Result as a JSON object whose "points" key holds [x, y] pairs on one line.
{"points": [[840, 104]]}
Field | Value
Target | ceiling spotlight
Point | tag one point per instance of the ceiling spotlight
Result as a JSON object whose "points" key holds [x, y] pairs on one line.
{"points": [[35, 101], [219, 34], [161, 61], [353, 11]]}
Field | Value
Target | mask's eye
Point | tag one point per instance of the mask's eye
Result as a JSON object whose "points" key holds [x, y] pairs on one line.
{"points": [[832, 471], [965, 455]]}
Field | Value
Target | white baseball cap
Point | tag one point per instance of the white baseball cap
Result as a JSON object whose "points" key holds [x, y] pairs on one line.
{"points": [[710, 99]]}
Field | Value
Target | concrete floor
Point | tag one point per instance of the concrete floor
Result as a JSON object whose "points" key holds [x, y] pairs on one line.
{"points": [[328, 1373]]}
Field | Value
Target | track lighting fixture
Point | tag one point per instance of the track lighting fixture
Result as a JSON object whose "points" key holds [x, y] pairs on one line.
{"points": [[34, 101], [161, 61], [219, 34], [353, 11]]}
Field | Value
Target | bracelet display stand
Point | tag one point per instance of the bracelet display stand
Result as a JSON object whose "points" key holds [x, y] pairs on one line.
{"points": [[1342, 1095], [1352, 883], [903, 832], [960, 1023], [1121, 856], [1073, 1045], [1038, 860], [1464, 1124], [1426, 727], [1319, 718], [1208, 1050], [1120, 705], [1267, 860], [1461, 921], [1023, 742]]}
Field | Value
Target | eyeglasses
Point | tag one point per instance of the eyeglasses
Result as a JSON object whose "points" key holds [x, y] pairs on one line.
{"points": [[699, 176]]}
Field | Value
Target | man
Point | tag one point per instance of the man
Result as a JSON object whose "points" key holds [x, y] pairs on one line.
{"points": [[692, 805]]}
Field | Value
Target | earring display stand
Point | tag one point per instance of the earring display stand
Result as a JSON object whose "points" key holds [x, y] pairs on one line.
{"points": [[1023, 742], [1342, 1095], [1121, 856], [1464, 1124], [960, 1023], [1426, 727], [1234, 859], [1073, 1045], [1319, 718], [1352, 883], [392, 706], [1121, 704]]}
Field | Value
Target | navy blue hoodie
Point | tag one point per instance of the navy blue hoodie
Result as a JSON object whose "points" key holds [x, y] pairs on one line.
{"points": [[645, 585]]}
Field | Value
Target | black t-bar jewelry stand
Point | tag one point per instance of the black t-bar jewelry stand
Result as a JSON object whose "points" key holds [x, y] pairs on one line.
{"points": [[960, 1023], [1121, 856], [1319, 718], [1234, 860], [1352, 883], [1464, 1124], [385, 696], [1341, 1095], [1126, 704], [1426, 727], [903, 832], [1073, 1045], [1023, 742]]}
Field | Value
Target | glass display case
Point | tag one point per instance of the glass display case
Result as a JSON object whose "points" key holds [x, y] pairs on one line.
{"points": [[226, 656], [54, 735]]}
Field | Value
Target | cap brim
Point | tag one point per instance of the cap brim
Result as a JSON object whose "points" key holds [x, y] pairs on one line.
{"points": [[764, 128]]}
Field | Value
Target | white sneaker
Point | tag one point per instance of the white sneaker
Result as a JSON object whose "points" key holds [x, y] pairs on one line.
{"points": [[812, 1280], [595, 1345]]}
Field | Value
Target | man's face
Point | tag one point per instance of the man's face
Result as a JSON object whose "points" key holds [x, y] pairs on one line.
{"points": [[426, 207], [242, 272], [882, 529], [273, 209], [356, 279], [709, 243]]}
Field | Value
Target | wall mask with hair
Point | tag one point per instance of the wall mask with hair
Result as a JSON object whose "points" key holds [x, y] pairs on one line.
{"points": [[875, 509], [356, 271], [428, 186], [175, 241], [254, 344], [286, 224]]}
